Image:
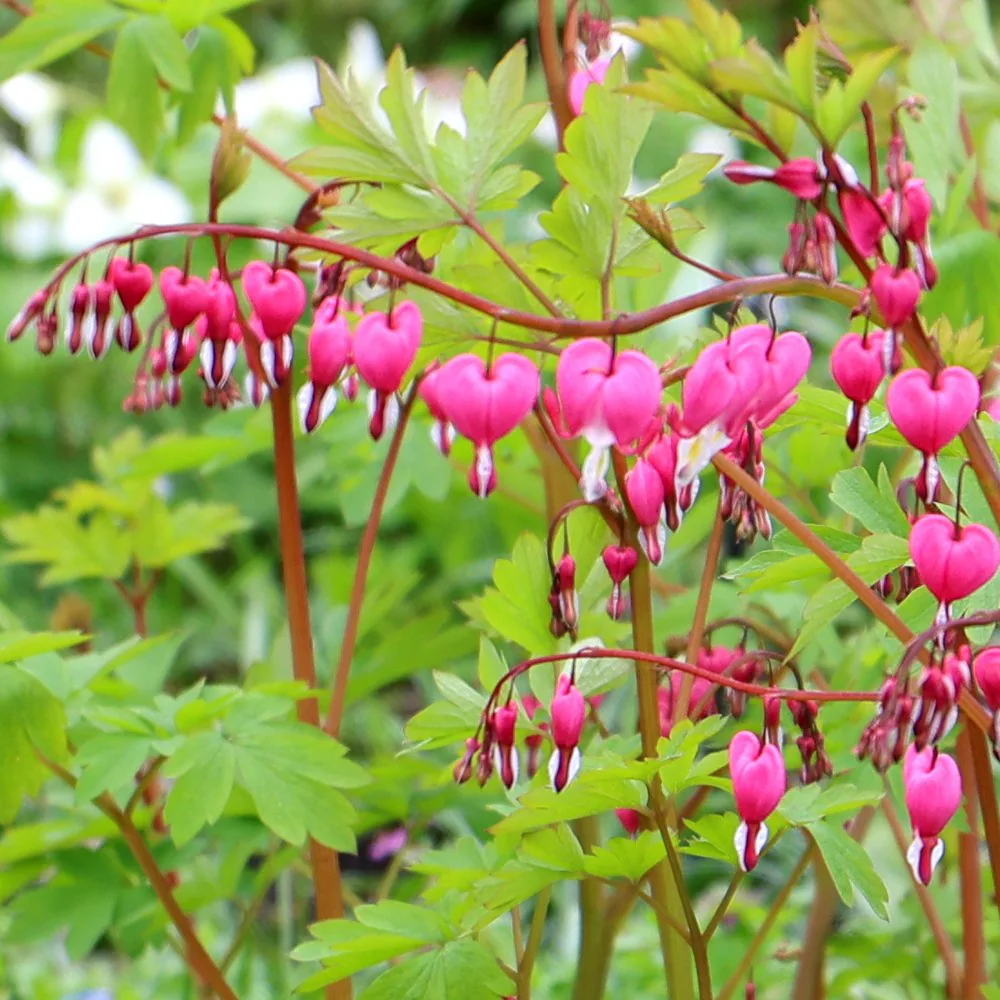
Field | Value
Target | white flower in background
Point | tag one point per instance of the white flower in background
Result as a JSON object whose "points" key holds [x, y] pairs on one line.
{"points": [[280, 95], [116, 193], [38, 197], [34, 102], [714, 139]]}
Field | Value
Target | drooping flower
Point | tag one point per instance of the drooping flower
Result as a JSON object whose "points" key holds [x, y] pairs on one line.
{"points": [[930, 411], [442, 431], [132, 281], [568, 713], [485, 405], [278, 297], [953, 560], [801, 177], [759, 782], [607, 398], [505, 757], [582, 78], [644, 490], [384, 349], [986, 669], [933, 787], [329, 349], [858, 369]]}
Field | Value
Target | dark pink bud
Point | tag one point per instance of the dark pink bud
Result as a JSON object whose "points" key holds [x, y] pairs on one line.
{"points": [[100, 337], [794, 259], [81, 318], [463, 769], [184, 295], [630, 819], [30, 311], [801, 177], [986, 667], [933, 787], [826, 247], [505, 750], [759, 782], [741, 172], [565, 583], [863, 219], [568, 713], [896, 293]]}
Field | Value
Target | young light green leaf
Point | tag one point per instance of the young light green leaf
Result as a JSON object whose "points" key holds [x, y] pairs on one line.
{"points": [[31, 719], [49, 34], [684, 180], [110, 761], [800, 62], [166, 49], [346, 947], [876, 507], [204, 769], [405, 920], [623, 857], [133, 90]]}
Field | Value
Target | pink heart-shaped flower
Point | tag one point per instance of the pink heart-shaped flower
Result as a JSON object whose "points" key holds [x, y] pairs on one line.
{"points": [[384, 349], [329, 347], [277, 295], [185, 296], [132, 281], [896, 293], [929, 411], [953, 561], [856, 365], [486, 405]]}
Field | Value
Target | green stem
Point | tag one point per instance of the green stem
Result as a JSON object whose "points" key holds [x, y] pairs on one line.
{"points": [[526, 962], [590, 982], [666, 889]]}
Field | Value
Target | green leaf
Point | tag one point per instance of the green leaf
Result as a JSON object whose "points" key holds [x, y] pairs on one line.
{"points": [[21, 645], [213, 69], [461, 970], [110, 762], [164, 535], [30, 719], [203, 769], [133, 91], [849, 866], [876, 507], [405, 920], [714, 837], [491, 665], [810, 803], [623, 857], [684, 180], [166, 49], [555, 849], [50, 34], [346, 947], [800, 62], [518, 608], [935, 143]]}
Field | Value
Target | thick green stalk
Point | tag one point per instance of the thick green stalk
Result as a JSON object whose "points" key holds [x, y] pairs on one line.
{"points": [[591, 969]]}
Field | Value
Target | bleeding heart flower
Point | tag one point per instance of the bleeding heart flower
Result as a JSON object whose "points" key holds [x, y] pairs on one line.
{"points": [[986, 668], [619, 561], [486, 404], [384, 348], [568, 713], [863, 220], [857, 367], [784, 361], [759, 782], [442, 432], [801, 177], [505, 758], [99, 336], [930, 411], [581, 79], [608, 398], [953, 560], [277, 295], [896, 293], [644, 490], [186, 297], [933, 788], [630, 819], [329, 348], [132, 281]]}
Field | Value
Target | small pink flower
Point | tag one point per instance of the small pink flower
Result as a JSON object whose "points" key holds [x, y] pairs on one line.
{"points": [[826, 247], [801, 177], [759, 782], [933, 787], [857, 367], [784, 361], [533, 741], [485, 405], [132, 282], [644, 490], [568, 713], [896, 293], [442, 432], [930, 411], [619, 561], [462, 771], [384, 348], [278, 297], [186, 297], [580, 81], [953, 560], [329, 349], [99, 341], [630, 819], [938, 689], [504, 748], [218, 333], [986, 668]]}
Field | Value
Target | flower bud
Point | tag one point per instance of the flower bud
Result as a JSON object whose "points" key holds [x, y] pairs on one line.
{"points": [[568, 713]]}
